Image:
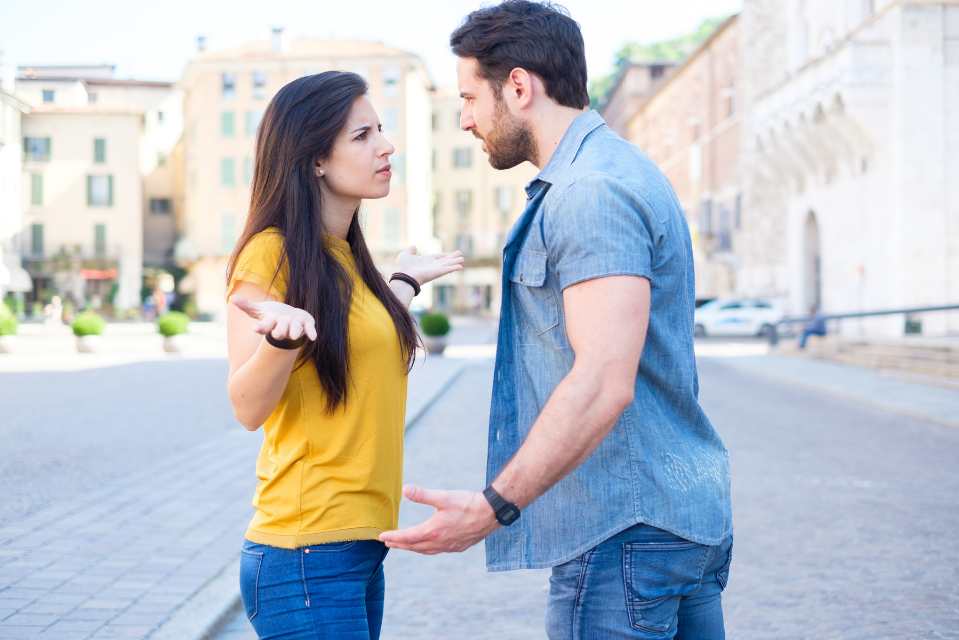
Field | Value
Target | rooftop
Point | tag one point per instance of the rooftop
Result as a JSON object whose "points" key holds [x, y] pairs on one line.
{"points": [[303, 48]]}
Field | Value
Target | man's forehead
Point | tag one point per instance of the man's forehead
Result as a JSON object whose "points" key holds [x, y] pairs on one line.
{"points": [[467, 79]]}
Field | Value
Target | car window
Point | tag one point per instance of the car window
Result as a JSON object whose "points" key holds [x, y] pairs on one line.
{"points": [[732, 305]]}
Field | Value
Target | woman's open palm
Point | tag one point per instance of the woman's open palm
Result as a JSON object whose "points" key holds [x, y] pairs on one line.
{"points": [[427, 268], [280, 320]]}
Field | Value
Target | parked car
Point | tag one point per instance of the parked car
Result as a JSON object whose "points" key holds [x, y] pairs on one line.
{"points": [[737, 317]]}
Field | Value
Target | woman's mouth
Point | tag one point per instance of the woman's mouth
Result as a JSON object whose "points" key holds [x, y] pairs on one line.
{"points": [[385, 171]]}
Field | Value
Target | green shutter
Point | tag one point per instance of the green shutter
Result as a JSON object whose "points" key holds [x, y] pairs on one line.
{"points": [[227, 172], [99, 150], [36, 239], [36, 189], [110, 191], [100, 239], [227, 124], [89, 191]]}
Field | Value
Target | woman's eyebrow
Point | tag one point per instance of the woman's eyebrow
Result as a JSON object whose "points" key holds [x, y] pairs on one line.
{"points": [[365, 127]]}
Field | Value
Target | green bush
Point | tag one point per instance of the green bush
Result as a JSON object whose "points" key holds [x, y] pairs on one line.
{"points": [[173, 323], [8, 321], [435, 324], [88, 323]]}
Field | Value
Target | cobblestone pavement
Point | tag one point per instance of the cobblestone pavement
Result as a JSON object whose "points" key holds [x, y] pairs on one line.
{"points": [[125, 490]]}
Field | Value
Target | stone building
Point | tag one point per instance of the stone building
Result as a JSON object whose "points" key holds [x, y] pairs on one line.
{"points": [[850, 157], [635, 82], [226, 93], [13, 278], [95, 151], [474, 207], [689, 126]]}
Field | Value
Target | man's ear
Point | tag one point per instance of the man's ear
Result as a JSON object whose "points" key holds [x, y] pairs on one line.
{"points": [[520, 85]]}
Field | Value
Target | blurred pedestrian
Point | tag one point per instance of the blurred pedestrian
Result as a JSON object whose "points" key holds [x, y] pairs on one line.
{"points": [[324, 369], [815, 327], [53, 313], [601, 464]]}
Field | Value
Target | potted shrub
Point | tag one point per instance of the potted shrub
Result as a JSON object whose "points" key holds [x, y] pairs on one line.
{"points": [[435, 326], [172, 326], [8, 329], [87, 327]]}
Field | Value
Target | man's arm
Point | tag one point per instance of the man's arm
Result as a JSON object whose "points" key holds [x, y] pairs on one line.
{"points": [[606, 321]]}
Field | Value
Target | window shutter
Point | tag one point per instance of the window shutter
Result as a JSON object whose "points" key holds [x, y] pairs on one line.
{"points": [[110, 191]]}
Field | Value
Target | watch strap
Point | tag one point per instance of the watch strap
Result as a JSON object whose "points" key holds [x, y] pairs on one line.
{"points": [[506, 512]]}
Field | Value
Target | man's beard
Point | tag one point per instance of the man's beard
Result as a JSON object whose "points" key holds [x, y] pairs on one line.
{"points": [[508, 142]]}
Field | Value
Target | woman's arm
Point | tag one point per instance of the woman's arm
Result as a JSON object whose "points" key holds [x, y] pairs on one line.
{"points": [[424, 269], [259, 371]]}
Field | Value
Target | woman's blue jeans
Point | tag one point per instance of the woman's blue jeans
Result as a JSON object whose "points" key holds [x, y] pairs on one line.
{"points": [[325, 591], [641, 583]]}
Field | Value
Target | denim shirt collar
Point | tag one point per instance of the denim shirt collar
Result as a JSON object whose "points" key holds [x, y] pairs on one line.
{"points": [[568, 147]]}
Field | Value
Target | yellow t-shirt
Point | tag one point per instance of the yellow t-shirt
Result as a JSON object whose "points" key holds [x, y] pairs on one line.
{"points": [[330, 478]]}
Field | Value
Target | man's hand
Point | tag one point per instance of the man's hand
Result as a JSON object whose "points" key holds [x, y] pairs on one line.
{"points": [[461, 520]]}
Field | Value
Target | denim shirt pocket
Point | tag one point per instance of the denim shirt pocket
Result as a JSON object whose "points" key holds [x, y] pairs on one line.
{"points": [[536, 304]]}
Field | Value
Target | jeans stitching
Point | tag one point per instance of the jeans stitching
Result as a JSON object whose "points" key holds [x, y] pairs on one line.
{"points": [[579, 590], [256, 582], [306, 592]]}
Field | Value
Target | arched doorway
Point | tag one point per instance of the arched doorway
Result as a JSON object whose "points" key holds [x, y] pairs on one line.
{"points": [[812, 286]]}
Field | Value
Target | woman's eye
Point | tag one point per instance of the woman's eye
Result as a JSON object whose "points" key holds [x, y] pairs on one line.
{"points": [[362, 136]]}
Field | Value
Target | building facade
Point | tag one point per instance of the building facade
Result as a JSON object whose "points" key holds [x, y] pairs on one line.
{"points": [[226, 93], [851, 157], [635, 82], [474, 207], [93, 147], [13, 278], [689, 126]]}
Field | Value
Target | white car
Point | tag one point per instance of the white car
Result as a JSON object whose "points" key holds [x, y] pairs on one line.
{"points": [[737, 317]]}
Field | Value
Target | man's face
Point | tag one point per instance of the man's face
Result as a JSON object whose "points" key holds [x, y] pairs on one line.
{"points": [[506, 139]]}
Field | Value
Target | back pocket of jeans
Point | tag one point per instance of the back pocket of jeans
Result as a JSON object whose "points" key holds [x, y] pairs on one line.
{"points": [[250, 562], [657, 575]]}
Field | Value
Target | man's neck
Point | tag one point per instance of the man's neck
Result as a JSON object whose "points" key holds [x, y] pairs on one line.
{"points": [[549, 126]]}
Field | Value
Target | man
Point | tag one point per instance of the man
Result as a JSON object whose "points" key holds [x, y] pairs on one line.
{"points": [[602, 464], [815, 327]]}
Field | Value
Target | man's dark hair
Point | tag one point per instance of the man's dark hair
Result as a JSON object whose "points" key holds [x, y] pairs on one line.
{"points": [[539, 37]]}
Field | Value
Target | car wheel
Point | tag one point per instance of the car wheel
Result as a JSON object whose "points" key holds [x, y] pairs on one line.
{"points": [[766, 330], [699, 331]]}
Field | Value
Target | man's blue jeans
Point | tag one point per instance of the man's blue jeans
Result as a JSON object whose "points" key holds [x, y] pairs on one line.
{"points": [[809, 332], [641, 583], [332, 590]]}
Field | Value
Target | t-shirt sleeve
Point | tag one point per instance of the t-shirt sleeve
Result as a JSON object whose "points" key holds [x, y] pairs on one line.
{"points": [[257, 264], [599, 228]]}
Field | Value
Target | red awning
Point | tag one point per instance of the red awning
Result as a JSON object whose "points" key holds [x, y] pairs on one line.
{"points": [[94, 274]]}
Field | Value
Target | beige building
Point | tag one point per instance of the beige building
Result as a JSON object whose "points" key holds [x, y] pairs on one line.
{"points": [[634, 84], [226, 93], [13, 279], [689, 126], [474, 207], [95, 174]]}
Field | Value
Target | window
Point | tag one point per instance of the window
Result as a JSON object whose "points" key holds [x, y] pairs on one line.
{"points": [[99, 150], [100, 191], [738, 209], [389, 120], [248, 171], [100, 239], [229, 86], [36, 239], [391, 82], [36, 189], [462, 158], [161, 158], [227, 172], [227, 232], [706, 218], [48, 95], [253, 121], [159, 116], [464, 243], [226, 124], [160, 205], [391, 229], [724, 240], [464, 204], [398, 160], [36, 149], [92, 98], [504, 201], [259, 84]]}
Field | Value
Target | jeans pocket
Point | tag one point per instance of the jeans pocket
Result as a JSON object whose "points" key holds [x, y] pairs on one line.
{"points": [[331, 547], [722, 576], [250, 562], [657, 575]]}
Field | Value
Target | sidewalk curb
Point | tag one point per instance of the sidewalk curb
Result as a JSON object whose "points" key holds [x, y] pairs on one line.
{"points": [[205, 614], [211, 608]]}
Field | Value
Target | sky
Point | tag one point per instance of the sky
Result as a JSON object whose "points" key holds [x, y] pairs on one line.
{"points": [[155, 40]]}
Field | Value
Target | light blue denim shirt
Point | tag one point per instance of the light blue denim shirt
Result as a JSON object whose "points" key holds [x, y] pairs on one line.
{"points": [[600, 208]]}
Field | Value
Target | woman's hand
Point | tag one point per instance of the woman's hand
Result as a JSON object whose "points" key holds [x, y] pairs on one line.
{"points": [[281, 320], [428, 268]]}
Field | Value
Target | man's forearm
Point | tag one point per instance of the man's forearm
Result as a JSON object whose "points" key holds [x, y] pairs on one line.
{"points": [[577, 418]]}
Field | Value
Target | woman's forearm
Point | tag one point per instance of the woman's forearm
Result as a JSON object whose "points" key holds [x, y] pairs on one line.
{"points": [[403, 292], [257, 386]]}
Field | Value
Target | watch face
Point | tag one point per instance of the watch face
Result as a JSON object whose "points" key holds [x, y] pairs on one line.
{"points": [[509, 515]]}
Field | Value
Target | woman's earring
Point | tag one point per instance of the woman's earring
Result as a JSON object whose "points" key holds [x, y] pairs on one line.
{"points": [[319, 172]]}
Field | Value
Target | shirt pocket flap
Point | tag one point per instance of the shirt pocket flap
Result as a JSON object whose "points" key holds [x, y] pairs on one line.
{"points": [[529, 269]]}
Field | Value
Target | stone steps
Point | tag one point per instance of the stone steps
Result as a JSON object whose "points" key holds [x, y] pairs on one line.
{"points": [[932, 359]]}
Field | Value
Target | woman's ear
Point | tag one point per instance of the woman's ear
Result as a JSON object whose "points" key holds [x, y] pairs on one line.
{"points": [[319, 171]]}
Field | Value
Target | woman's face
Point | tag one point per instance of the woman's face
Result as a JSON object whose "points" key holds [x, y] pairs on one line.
{"points": [[358, 166]]}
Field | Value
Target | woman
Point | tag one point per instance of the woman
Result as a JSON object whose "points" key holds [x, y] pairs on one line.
{"points": [[324, 368]]}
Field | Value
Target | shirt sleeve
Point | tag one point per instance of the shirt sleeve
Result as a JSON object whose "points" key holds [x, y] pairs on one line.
{"points": [[257, 264], [599, 228]]}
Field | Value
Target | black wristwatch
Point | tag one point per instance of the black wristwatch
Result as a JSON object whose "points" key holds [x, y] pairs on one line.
{"points": [[506, 512]]}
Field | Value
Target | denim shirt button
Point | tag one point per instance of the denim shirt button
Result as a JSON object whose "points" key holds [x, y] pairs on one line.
{"points": [[498, 433], [521, 277]]}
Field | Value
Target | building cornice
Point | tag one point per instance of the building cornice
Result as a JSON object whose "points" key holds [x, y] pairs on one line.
{"points": [[13, 102]]}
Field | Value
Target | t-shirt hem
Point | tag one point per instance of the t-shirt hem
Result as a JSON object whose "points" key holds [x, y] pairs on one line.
{"points": [[307, 539]]}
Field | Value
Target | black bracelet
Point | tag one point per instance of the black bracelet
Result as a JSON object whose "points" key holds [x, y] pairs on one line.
{"points": [[408, 279], [285, 343]]}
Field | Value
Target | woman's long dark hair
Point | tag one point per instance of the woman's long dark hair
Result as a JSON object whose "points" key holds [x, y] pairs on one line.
{"points": [[299, 128]]}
